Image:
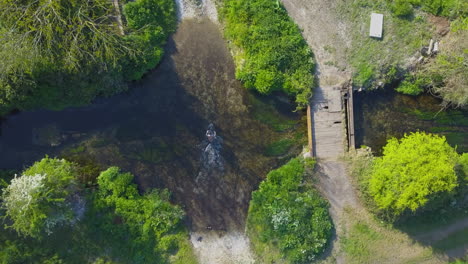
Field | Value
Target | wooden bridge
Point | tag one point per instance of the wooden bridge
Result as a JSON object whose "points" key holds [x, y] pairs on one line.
{"points": [[329, 109]]}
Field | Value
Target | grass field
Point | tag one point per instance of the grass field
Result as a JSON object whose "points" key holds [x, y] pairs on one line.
{"points": [[373, 60]]}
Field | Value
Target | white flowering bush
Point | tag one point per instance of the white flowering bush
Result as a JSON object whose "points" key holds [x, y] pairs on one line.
{"points": [[38, 201], [287, 215]]}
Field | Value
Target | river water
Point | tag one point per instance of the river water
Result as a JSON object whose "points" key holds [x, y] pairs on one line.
{"points": [[382, 114], [157, 130]]}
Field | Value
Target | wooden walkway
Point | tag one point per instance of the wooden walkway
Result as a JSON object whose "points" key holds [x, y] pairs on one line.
{"points": [[330, 120], [327, 122]]}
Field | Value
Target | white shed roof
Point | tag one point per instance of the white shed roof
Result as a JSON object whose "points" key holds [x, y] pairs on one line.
{"points": [[376, 25]]}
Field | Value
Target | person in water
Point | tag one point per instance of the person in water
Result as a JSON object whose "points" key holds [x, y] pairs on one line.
{"points": [[210, 133]]}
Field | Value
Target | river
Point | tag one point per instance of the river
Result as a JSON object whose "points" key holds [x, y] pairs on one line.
{"points": [[156, 130], [382, 114]]}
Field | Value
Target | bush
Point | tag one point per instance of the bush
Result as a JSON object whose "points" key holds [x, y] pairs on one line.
{"points": [[364, 75], [402, 8], [413, 85], [447, 8], [273, 56], [40, 200], [150, 23], [154, 224], [413, 172], [289, 216]]}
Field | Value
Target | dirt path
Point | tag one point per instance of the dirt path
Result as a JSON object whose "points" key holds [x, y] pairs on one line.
{"points": [[336, 186], [326, 35]]}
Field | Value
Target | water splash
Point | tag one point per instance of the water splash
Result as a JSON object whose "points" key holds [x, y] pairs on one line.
{"points": [[212, 162]]}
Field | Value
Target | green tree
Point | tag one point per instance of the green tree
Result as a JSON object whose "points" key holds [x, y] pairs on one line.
{"points": [[154, 223], [412, 172], [41, 199], [273, 56], [287, 214], [63, 53]]}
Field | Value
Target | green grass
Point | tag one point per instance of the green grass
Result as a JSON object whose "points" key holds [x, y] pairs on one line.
{"points": [[100, 142], [373, 59], [429, 221], [77, 149], [366, 240], [450, 117], [357, 243], [452, 241], [154, 152]]}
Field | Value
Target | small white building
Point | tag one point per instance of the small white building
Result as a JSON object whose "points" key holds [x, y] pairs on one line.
{"points": [[376, 25]]}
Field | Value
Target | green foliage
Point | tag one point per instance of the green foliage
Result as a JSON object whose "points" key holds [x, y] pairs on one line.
{"points": [[402, 8], [414, 171], [62, 53], [364, 75], [286, 215], [119, 226], [447, 75], [153, 222], [447, 8], [413, 85], [39, 201], [151, 22], [273, 55]]}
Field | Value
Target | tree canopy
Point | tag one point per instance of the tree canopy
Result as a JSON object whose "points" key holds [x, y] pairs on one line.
{"points": [[62, 53], [40, 200], [273, 55], [413, 171], [116, 223], [288, 215]]}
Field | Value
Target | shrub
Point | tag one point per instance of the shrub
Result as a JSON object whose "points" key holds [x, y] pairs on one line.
{"points": [[402, 8], [413, 85], [273, 56], [414, 171], [289, 215], [154, 224], [364, 75], [40, 200]]}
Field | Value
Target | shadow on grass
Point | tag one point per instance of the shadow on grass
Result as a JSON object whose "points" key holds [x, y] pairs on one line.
{"points": [[445, 231]]}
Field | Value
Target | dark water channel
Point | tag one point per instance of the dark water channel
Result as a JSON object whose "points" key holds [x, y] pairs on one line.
{"points": [[157, 131], [382, 114]]}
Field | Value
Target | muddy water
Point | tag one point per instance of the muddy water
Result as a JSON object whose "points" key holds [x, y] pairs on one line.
{"points": [[382, 114], [157, 131]]}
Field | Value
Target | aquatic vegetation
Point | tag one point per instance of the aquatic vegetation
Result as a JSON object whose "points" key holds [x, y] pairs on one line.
{"points": [[279, 147]]}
